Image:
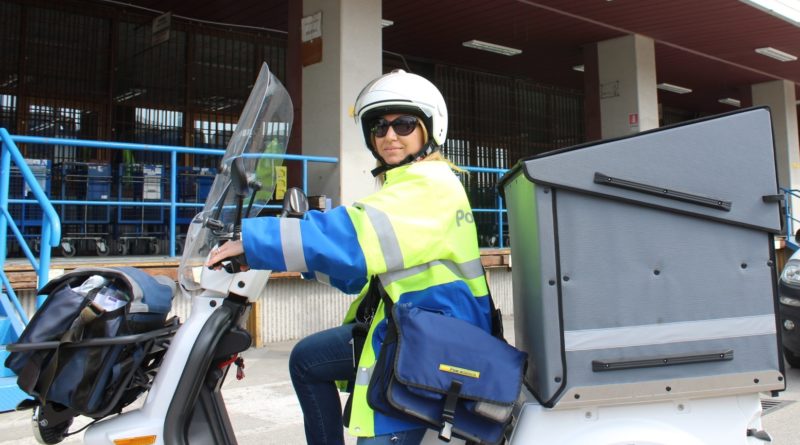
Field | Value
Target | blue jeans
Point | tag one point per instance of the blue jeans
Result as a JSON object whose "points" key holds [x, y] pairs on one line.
{"points": [[314, 364]]}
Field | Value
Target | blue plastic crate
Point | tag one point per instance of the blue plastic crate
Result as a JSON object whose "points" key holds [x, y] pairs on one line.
{"points": [[28, 214], [193, 186], [83, 181], [141, 183]]}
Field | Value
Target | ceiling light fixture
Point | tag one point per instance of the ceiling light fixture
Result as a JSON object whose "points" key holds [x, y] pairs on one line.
{"points": [[731, 101], [492, 48], [578, 68], [673, 88], [776, 54], [789, 11], [130, 94], [386, 23]]}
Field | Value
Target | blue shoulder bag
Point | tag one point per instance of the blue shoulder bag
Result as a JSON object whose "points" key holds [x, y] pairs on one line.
{"points": [[447, 374], [83, 357]]}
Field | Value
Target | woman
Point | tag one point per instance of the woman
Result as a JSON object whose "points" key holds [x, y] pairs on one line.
{"points": [[414, 239]]}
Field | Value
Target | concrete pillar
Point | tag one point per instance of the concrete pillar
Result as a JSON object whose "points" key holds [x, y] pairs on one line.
{"points": [[351, 57], [779, 95], [627, 85]]}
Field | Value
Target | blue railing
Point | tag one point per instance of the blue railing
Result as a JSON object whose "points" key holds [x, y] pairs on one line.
{"points": [[51, 226], [172, 204], [173, 151], [790, 221], [499, 210]]}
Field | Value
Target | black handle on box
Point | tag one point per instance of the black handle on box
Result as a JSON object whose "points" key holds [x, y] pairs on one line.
{"points": [[651, 362], [773, 198], [600, 178]]}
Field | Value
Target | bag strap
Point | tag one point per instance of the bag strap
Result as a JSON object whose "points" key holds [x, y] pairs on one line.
{"points": [[73, 334], [366, 309], [495, 314], [388, 304]]}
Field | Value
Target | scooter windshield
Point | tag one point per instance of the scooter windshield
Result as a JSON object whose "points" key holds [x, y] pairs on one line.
{"points": [[248, 168]]}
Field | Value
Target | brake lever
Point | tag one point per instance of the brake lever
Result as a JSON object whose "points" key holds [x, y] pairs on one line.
{"points": [[235, 264], [231, 265]]}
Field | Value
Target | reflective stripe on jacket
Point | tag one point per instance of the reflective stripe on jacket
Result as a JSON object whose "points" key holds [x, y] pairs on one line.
{"points": [[417, 234]]}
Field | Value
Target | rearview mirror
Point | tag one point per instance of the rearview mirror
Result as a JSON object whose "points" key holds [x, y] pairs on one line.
{"points": [[295, 203]]}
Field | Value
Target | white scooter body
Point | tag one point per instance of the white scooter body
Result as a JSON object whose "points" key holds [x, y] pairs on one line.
{"points": [[149, 420], [711, 421]]}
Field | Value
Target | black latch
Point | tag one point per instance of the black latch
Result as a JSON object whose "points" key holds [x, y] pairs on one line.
{"points": [[449, 413]]}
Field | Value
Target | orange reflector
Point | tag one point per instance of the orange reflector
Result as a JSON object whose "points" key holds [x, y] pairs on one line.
{"points": [[141, 440]]}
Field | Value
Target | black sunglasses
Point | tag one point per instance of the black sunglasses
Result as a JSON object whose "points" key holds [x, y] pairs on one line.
{"points": [[403, 126]]}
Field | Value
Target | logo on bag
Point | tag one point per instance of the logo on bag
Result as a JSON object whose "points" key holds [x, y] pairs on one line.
{"points": [[459, 371]]}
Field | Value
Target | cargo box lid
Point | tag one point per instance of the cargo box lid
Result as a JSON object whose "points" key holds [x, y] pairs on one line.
{"points": [[721, 168]]}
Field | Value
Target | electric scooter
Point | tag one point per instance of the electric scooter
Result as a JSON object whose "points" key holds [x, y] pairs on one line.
{"points": [[583, 386]]}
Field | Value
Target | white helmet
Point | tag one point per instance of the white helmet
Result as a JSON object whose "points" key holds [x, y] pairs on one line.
{"points": [[402, 92]]}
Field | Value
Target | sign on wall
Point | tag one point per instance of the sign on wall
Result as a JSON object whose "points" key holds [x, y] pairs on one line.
{"points": [[311, 39]]}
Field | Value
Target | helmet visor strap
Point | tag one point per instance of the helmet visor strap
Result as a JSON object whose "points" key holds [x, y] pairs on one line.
{"points": [[403, 126]]}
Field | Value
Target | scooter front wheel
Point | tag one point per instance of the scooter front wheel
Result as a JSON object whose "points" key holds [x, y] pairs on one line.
{"points": [[46, 433]]}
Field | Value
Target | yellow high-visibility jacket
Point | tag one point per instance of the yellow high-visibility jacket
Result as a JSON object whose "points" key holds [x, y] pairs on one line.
{"points": [[417, 234]]}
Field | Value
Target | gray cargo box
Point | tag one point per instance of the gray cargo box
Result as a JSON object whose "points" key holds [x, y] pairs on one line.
{"points": [[643, 267]]}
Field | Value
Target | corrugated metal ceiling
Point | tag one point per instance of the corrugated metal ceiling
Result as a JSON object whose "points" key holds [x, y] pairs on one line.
{"points": [[704, 45]]}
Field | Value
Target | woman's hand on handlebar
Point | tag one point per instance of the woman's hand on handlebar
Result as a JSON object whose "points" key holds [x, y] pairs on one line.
{"points": [[226, 251]]}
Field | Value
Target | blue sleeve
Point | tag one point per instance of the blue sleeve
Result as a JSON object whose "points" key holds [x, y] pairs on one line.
{"points": [[353, 286], [327, 246], [261, 239]]}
